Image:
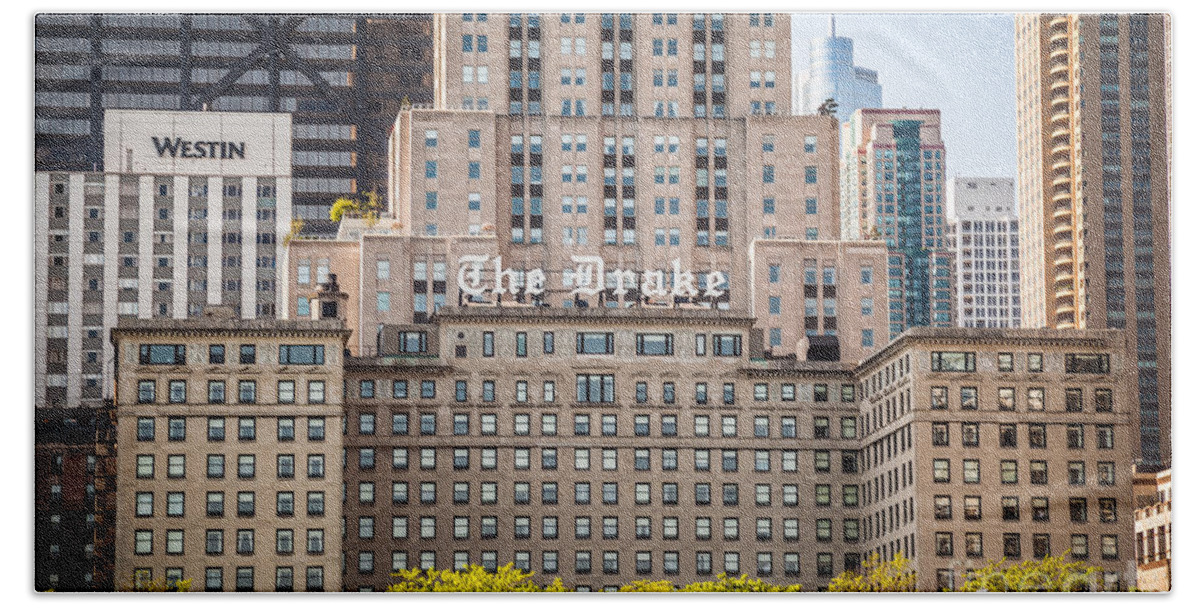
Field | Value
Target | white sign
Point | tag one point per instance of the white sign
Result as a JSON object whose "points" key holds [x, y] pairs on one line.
{"points": [[590, 279], [243, 144]]}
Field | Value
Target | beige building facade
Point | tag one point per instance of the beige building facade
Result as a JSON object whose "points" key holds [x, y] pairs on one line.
{"points": [[629, 64], [1093, 117], [608, 446], [229, 446], [1152, 530]]}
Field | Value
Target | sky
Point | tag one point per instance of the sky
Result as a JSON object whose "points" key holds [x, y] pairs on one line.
{"points": [[959, 63]]}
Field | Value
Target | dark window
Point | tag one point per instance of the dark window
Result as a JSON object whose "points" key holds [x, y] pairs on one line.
{"points": [[952, 361], [593, 343], [1087, 364], [655, 344], [246, 354], [307, 354], [163, 354], [413, 342], [727, 345], [216, 354]]}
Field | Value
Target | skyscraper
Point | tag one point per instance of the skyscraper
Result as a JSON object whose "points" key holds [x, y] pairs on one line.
{"points": [[983, 235], [894, 189], [1094, 192], [343, 77], [596, 145], [833, 75]]}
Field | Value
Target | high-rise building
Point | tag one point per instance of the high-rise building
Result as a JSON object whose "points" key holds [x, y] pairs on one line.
{"points": [[894, 189], [193, 210], [833, 75], [640, 186], [614, 65], [343, 77], [1093, 190], [984, 237]]}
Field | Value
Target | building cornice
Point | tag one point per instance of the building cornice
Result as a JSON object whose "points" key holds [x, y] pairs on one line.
{"points": [[592, 316]]}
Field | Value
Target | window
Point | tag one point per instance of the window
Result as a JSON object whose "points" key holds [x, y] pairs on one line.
{"points": [[163, 354], [1004, 362], [849, 430], [594, 388], [941, 470], [1079, 546], [727, 345], [969, 398], [216, 391], [942, 507], [944, 544], [970, 471], [216, 429], [952, 361], [939, 397], [307, 354], [1075, 436], [1086, 363], [145, 429], [316, 429], [316, 391], [941, 433], [655, 344], [146, 389], [1012, 545], [246, 429], [1038, 474], [594, 343]]}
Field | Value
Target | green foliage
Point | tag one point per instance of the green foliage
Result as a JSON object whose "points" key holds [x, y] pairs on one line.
{"points": [[340, 207], [881, 577], [742, 584], [159, 586], [474, 579], [723, 584], [1048, 574], [649, 587], [368, 208], [297, 226]]}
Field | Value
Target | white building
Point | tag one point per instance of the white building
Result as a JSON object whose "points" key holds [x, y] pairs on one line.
{"points": [[192, 211], [832, 75], [983, 229]]}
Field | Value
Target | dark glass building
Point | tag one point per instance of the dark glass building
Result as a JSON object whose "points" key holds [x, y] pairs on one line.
{"points": [[343, 77]]}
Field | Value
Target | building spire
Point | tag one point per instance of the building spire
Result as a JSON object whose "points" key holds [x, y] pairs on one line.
{"points": [[832, 27]]}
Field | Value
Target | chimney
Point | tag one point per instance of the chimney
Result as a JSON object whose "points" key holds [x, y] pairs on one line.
{"points": [[802, 349], [329, 301]]}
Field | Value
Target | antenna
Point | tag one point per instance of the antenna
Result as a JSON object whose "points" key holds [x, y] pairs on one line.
{"points": [[832, 26]]}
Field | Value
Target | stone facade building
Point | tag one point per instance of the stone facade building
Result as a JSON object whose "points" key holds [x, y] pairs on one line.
{"points": [[229, 445]]}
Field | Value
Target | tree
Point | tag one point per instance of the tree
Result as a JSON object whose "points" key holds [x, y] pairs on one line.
{"points": [[649, 587], [723, 584], [297, 226], [158, 585], [741, 584], [473, 579], [1048, 574], [880, 576], [367, 208], [827, 108]]}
